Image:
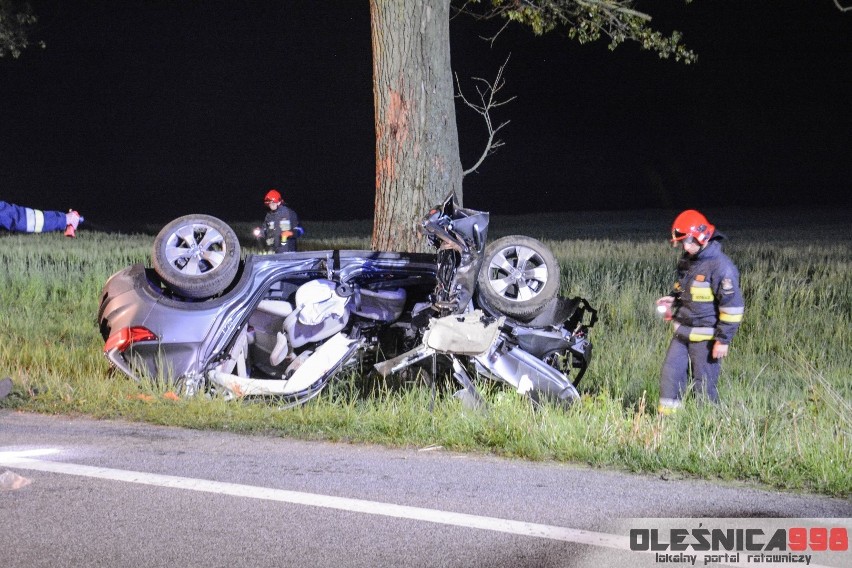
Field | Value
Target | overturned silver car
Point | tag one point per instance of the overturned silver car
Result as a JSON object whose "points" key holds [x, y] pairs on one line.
{"points": [[284, 325]]}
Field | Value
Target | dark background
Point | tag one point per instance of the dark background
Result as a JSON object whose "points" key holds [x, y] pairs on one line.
{"points": [[141, 111]]}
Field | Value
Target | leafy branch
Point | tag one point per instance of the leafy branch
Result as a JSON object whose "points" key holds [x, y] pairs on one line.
{"points": [[585, 21], [14, 27]]}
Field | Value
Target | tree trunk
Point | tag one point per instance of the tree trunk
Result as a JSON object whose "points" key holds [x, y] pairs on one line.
{"points": [[417, 148]]}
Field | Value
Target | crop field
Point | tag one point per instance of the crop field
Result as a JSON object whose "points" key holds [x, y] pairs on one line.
{"points": [[785, 417]]}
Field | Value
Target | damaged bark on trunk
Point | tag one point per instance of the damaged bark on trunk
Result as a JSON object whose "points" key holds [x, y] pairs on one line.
{"points": [[417, 152]]}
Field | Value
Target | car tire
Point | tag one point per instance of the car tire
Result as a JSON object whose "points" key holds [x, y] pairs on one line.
{"points": [[196, 256], [518, 277]]}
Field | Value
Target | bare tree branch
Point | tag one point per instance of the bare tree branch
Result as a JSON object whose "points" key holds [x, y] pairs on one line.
{"points": [[488, 101], [842, 8]]}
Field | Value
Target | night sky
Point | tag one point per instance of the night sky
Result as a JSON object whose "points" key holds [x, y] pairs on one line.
{"points": [[144, 111]]}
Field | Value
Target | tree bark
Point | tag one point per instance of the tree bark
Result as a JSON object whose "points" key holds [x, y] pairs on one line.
{"points": [[417, 148]]}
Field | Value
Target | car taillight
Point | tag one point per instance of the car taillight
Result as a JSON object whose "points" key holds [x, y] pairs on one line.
{"points": [[127, 336]]}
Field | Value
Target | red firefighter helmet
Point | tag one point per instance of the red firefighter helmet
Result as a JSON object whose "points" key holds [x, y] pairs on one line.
{"points": [[272, 196], [692, 224]]}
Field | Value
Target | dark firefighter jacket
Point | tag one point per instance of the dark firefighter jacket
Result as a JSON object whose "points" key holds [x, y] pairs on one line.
{"points": [[26, 220], [275, 222], [709, 304]]}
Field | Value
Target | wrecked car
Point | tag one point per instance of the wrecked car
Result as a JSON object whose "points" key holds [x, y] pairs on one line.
{"points": [[206, 319]]}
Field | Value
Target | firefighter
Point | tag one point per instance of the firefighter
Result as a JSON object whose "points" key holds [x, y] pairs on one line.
{"points": [[705, 307], [281, 227], [15, 218]]}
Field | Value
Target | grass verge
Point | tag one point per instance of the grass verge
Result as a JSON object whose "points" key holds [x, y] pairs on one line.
{"points": [[784, 421]]}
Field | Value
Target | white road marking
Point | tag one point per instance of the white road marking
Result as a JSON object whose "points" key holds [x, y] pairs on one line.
{"points": [[22, 460]]}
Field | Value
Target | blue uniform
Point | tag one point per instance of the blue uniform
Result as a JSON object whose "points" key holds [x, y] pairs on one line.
{"points": [[708, 307], [275, 222], [26, 220]]}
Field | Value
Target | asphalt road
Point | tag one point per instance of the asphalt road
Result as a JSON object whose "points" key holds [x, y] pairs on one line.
{"points": [[106, 493]]}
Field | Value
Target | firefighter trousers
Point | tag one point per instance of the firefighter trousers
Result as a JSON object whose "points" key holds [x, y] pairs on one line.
{"points": [[682, 355]]}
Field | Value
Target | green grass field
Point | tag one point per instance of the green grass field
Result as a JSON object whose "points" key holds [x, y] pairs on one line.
{"points": [[786, 413]]}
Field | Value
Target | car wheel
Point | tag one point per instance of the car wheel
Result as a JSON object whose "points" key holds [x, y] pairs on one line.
{"points": [[197, 256], [518, 277]]}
